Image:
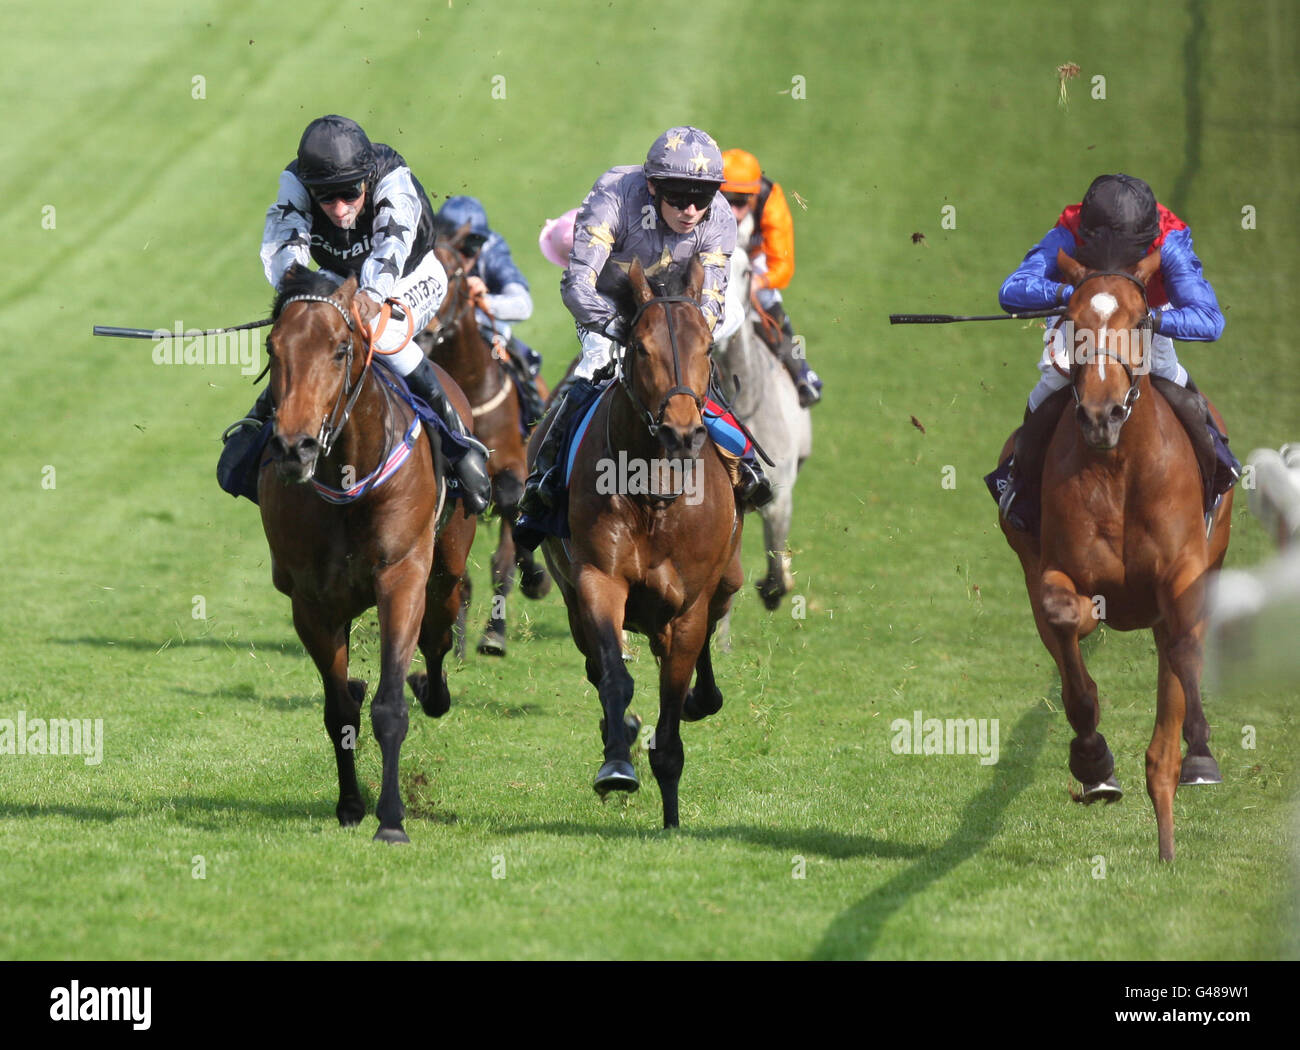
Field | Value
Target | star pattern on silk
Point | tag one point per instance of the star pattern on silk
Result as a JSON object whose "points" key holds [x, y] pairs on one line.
{"points": [[389, 266], [713, 295], [392, 228], [699, 162], [289, 208], [675, 140], [713, 258], [295, 237], [661, 264], [602, 235]]}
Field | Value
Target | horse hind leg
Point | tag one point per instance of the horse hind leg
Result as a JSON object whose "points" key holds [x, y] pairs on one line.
{"points": [[597, 624], [1063, 611], [776, 535], [687, 650], [704, 698]]}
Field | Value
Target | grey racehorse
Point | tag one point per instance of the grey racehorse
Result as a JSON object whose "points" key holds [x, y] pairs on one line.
{"points": [[764, 397]]}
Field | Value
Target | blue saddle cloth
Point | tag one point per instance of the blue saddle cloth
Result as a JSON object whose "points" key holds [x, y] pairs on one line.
{"points": [[530, 531], [237, 474]]}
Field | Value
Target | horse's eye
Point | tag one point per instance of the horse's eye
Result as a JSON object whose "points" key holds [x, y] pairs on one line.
{"points": [[341, 351]]}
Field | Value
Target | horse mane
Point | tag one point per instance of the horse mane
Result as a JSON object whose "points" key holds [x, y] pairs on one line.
{"points": [[298, 280], [615, 283]]}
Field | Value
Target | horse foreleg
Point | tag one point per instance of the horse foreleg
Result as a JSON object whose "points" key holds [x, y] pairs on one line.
{"points": [[328, 648], [599, 621], [1065, 615], [1164, 757], [401, 590], [686, 647]]}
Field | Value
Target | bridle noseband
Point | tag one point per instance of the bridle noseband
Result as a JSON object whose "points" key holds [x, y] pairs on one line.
{"points": [[333, 424], [1130, 398], [654, 422]]}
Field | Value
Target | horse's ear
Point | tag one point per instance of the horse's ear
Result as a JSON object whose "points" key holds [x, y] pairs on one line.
{"points": [[1073, 270], [1148, 267], [460, 235], [347, 290], [640, 286], [695, 278]]}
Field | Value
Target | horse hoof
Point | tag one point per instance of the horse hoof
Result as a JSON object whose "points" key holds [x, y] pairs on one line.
{"points": [[493, 643], [434, 704], [693, 709], [357, 690], [1107, 791], [1200, 769], [393, 836], [535, 585], [771, 594], [615, 776], [350, 815]]}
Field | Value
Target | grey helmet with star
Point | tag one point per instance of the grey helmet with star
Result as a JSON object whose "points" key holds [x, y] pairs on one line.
{"points": [[685, 154]]}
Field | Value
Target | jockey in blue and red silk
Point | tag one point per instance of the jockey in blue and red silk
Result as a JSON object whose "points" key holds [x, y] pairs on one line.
{"points": [[354, 207], [663, 212], [1118, 222]]}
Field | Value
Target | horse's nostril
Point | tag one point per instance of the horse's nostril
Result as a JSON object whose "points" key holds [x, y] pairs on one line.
{"points": [[1117, 413]]}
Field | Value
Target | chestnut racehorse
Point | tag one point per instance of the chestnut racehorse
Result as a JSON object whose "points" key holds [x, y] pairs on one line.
{"points": [[1123, 537], [454, 341], [664, 563], [351, 525]]}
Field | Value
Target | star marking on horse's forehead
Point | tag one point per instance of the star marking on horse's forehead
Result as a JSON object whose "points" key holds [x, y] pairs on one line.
{"points": [[1104, 304], [601, 235], [699, 162], [713, 258], [675, 140]]}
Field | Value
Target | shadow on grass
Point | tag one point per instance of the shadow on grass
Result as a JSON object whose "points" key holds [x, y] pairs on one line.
{"points": [[854, 933], [800, 840], [204, 812]]}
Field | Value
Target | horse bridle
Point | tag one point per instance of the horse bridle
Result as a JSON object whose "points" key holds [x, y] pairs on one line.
{"points": [[654, 422], [447, 329], [1130, 398], [333, 424]]}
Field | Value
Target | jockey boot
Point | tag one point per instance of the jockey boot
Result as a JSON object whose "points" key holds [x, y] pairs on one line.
{"points": [[753, 489], [1219, 469], [807, 382], [545, 485], [241, 437], [471, 464], [528, 359], [1021, 500]]}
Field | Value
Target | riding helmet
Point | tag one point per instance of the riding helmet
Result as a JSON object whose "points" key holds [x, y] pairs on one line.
{"points": [[685, 154], [334, 150], [460, 210], [1119, 216]]}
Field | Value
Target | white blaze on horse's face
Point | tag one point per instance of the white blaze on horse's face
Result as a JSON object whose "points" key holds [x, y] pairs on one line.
{"points": [[1104, 305]]}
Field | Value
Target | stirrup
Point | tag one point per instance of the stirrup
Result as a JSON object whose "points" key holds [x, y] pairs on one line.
{"points": [[248, 421]]}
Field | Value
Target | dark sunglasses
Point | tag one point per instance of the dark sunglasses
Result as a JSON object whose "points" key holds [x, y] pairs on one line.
{"points": [[680, 199], [738, 200], [348, 192], [471, 244]]}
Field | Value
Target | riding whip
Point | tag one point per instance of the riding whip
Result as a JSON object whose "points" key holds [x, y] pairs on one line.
{"points": [[1055, 311], [167, 333]]}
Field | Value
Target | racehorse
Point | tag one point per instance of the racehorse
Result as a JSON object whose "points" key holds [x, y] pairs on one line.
{"points": [[1124, 537], [765, 399], [353, 525], [661, 563], [454, 341]]}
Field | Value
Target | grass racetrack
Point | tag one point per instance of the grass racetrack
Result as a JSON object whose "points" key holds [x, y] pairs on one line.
{"points": [[141, 151]]}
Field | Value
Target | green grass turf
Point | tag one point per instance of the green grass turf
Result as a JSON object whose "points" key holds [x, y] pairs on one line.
{"points": [[216, 760]]}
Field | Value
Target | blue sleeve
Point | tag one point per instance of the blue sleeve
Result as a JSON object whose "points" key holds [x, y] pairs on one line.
{"points": [[1036, 284], [1193, 312], [497, 266]]}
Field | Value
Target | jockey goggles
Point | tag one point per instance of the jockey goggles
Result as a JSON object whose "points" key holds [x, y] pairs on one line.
{"points": [[738, 200], [346, 191], [681, 198]]}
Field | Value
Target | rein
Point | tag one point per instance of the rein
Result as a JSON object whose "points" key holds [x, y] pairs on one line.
{"points": [[652, 421], [1130, 398], [346, 399]]}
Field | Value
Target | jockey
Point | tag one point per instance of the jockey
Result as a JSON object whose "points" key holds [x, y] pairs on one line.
{"points": [[662, 212], [493, 278], [499, 288], [752, 195], [1118, 222], [355, 207], [556, 239]]}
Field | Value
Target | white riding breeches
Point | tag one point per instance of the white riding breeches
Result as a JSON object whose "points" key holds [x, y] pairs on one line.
{"points": [[1053, 366]]}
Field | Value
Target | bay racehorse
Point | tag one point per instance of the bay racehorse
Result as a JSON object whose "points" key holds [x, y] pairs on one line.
{"points": [[763, 396], [454, 341], [1123, 537], [663, 563], [356, 514]]}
